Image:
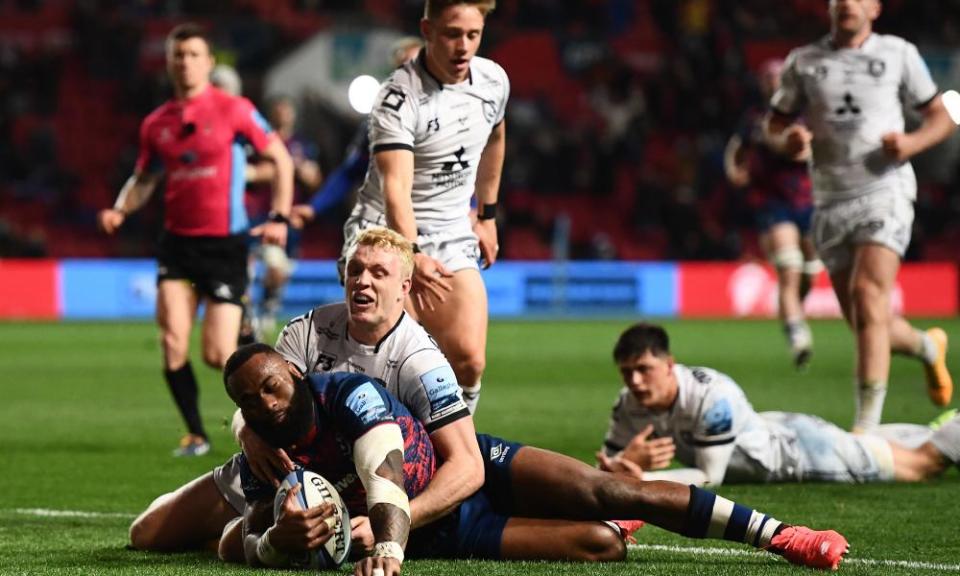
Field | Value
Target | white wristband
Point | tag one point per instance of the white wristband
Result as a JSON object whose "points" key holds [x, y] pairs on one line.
{"points": [[388, 550], [269, 555]]}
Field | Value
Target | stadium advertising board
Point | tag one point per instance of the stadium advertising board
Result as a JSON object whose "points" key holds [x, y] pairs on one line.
{"points": [[750, 290], [118, 289]]}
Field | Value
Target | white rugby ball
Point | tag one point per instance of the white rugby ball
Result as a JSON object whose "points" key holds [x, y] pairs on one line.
{"points": [[315, 490]]}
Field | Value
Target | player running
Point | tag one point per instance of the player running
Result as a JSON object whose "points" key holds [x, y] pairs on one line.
{"points": [[783, 213], [192, 142], [346, 426], [850, 88], [703, 419], [437, 137]]}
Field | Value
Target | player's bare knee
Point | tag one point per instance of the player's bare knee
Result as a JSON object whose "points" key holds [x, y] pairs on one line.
{"points": [[215, 358], [601, 543], [230, 546], [469, 368], [143, 533]]}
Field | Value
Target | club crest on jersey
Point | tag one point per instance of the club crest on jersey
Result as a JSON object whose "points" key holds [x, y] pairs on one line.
{"points": [[325, 362], [877, 68]]}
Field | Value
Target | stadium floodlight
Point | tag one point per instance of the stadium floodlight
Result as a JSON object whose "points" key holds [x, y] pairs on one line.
{"points": [[362, 92], [951, 101]]}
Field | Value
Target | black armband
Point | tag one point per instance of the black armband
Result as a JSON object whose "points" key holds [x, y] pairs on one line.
{"points": [[278, 218], [487, 211]]}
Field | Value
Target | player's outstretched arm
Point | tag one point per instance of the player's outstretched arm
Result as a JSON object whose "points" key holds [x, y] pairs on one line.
{"points": [[735, 162], [378, 456], [134, 194], [487, 190], [459, 475]]}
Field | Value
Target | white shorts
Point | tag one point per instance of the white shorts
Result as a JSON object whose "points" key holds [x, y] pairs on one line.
{"points": [[830, 454], [884, 217], [227, 478], [457, 247]]}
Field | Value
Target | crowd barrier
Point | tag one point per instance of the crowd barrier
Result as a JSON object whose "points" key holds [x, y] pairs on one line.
{"points": [[126, 289]]}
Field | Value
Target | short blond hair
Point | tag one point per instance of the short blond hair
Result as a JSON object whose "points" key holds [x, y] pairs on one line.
{"points": [[391, 240], [433, 8]]}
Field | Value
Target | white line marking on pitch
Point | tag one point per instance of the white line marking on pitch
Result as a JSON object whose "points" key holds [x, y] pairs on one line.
{"points": [[48, 513], [699, 550], [910, 564]]}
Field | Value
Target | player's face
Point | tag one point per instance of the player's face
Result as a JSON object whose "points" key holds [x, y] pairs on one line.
{"points": [[850, 17], [453, 39], [650, 379], [375, 287], [189, 63], [283, 115], [274, 401]]}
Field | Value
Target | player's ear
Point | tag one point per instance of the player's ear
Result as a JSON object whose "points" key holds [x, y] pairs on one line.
{"points": [[297, 374], [875, 9], [425, 28]]}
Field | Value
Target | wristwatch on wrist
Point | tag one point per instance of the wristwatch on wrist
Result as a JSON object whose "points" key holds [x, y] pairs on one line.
{"points": [[277, 217]]}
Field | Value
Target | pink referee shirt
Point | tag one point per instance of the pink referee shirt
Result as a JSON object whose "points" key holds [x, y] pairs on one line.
{"points": [[199, 144]]}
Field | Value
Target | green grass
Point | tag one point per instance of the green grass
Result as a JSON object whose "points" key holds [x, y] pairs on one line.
{"points": [[86, 424]]}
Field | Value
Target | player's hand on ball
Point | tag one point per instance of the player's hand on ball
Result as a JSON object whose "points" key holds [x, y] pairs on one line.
{"points": [[897, 146], [650, 454], [110, 220], [266, 462], [361, 535], [296, 529], [430, 281], [374, 566]]}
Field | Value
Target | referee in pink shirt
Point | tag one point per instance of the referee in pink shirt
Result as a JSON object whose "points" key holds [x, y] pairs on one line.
{"points": [[194, 142]]}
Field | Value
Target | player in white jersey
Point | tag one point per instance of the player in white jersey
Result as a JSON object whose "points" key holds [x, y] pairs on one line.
{"points": [[369, 333], [850, 88], [703, 419], [437, 138]]}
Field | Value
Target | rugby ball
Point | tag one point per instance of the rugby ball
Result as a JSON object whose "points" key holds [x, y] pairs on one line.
{"points": [[315, 490]]}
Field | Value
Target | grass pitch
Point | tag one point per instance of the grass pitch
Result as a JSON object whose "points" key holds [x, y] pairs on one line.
{"points": [[87, 427]]}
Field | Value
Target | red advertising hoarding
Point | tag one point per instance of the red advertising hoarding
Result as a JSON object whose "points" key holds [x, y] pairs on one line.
{"points": [[28, 289], [750, 289]]}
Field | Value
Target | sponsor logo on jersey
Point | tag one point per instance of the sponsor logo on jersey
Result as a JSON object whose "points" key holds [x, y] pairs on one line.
{"points": [[366, 403], [441, 387], [499, 452], [719, 418]]}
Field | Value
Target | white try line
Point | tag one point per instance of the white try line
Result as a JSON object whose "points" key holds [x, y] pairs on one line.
{"points": [[734, 552], [48, 513], [690, 550]]}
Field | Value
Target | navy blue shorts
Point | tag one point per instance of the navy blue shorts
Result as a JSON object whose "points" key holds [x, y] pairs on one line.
{"points": [[776, 212], [475, 529]]}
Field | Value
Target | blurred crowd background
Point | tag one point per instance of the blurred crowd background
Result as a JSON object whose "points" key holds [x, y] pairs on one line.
{"points": [[618, 118]]}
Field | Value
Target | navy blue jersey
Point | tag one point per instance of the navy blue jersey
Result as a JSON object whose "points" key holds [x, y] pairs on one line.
{"points": [[347, 406]]}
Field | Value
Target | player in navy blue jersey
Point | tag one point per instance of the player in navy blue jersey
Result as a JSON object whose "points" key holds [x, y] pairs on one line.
{"points": [[532, 502]]}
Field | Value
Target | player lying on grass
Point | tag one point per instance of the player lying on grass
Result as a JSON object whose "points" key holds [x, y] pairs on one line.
{"points": [[369, 333], [703, 419], [353, 432]]}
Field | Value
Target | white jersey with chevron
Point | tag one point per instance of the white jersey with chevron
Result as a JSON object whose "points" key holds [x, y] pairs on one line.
{"points": [[446, 126], [407, 360], [715, 429], [850, 98]]}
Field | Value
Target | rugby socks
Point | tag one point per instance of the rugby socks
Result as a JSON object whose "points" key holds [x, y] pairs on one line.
{"points": [[870, 397], [712, 516], [947, 440], [471, 395], [183, 387], [928, 350], [798, 334]]}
